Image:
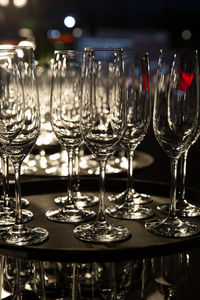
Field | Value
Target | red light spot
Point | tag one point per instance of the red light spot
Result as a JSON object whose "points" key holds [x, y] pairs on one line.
{"points": [[146, 83], [185, 80]]}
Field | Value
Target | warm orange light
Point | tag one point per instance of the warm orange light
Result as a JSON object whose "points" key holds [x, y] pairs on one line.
{"points": [[64, 38]]}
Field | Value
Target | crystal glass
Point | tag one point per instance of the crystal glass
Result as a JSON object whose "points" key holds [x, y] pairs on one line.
{"points": [[138, 120], [65, 121], [18, 139], [183, 207], [6, 185], [169, 275], [7, 203], [5, 162], [175, 121], [81, 200], [103, 123], [10, 83]]}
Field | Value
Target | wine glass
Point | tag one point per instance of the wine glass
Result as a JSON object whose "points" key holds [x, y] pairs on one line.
{"points": [[19, 139], [7, 203], [10, 83], [103, 123], [175, 120], [65, 121], [5, 163], [81, 200], [138, 120], [6, 185], [183, 207], [169, 276]]}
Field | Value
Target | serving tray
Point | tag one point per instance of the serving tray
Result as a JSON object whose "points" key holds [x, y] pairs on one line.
{"points": [[63, 246]]}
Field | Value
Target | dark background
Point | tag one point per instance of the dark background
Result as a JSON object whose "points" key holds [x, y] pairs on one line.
{"points": [[147, 24], [138, 25]]}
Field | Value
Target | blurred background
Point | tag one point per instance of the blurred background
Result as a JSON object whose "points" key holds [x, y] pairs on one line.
{"points": [[74, 24]]}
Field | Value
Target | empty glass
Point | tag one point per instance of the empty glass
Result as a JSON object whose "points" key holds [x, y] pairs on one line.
{"points": [[20, 110], [183, 207], [81, 200], [65, 121], [10, 83], [103, 123], [6, 186], [138, 120], [175, 121]]}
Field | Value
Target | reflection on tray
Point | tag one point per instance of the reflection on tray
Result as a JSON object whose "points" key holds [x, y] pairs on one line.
{"points": [[56, 164]]}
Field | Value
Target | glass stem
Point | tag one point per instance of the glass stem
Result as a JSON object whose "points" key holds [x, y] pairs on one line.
{"points": [[70, 177], [76, 170], [172, 207], [101, 213], [18, 213], [183, 163], [6, 191], [130, 171]]}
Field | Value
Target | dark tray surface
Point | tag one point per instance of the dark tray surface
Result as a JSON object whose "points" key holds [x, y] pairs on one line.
{"points": [[63, 246]]}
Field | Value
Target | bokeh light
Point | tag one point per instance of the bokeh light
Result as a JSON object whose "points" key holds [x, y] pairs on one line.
{"points": [[186, 34], [77, 32], [69, 21], [27, 44], [19, 3], [53, 33], [4, 3], [25, 32]]}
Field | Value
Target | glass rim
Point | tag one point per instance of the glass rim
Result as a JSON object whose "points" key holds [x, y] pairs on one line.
{"points": [[68, 51], [103, 49], [178, 50], [14, 47], [8, 52]]}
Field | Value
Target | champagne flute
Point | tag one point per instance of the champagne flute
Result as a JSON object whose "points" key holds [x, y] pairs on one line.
{"points": [[183, 207], [6, 185], [175, 121], [138, 120], [10, 86], [5, 163], [65, 121], [81, 200], [103, 123], [26, 125], [7, 208]]}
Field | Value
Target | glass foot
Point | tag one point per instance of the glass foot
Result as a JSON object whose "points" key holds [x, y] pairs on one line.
{"points": [[183, 209], [71, 215], [21, 236], [135, 197], [24, 202], [172, 228], [7, 216], [129, 211], [80, 200], [107, 233]]}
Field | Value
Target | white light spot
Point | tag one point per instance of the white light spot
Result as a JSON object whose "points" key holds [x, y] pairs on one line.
{"points": [[69, 21], [20, 3], [4, 3]]}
